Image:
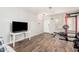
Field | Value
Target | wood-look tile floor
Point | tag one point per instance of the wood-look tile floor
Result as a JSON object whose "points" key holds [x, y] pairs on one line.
{"points": [[44, 43]]}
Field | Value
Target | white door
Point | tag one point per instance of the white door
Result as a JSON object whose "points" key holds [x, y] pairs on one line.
{"points": [[49, 25], [46, 26]]}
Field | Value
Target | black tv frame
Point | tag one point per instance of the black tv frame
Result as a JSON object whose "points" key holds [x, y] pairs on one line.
{"points": [[19, 26]]}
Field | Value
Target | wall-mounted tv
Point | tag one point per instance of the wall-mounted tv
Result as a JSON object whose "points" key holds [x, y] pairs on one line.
{"points": [[19, 26]]}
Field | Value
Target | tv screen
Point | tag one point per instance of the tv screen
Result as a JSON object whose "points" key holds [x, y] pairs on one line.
{"points": [[19, 26]]}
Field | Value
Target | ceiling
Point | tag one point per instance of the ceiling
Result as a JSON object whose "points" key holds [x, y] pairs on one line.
{"points": [[51, 10]]}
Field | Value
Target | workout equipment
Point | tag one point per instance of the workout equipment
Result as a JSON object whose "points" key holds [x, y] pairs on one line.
{"points": [[76, 41], [66, 27], [65, 34], [75, 14], [67, 15]]}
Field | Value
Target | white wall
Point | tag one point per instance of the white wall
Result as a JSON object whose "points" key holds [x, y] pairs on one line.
{"points": [[54, 23], [7, 15], [59, 21]]}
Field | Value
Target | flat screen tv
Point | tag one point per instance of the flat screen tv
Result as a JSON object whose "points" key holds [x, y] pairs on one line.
{"points": [[19, 26]]}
